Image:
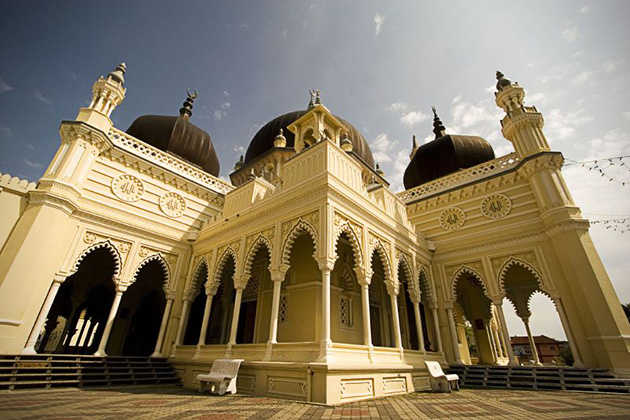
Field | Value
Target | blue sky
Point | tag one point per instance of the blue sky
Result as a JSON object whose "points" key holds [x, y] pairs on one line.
{"points": [[380, 65]]}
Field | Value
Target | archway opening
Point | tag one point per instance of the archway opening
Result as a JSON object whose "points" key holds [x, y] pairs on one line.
{"points": [[137, 324], [380, 306], [409, 331], [345, 296], [195, 314], [222, 306], [248, 329], [298, 320], [77, 317], [476, 309], [530, 307], [426, 316]]}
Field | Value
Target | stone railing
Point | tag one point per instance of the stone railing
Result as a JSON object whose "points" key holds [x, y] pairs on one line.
{"points": [[16, 184], [132, 145], [459, 178]]}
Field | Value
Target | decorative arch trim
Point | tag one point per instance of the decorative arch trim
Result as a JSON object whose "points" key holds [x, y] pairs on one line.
{"points": [[354, 241], [465, 269], [221, 264], [165, 268], [107, 244], [513, 261], [380, 249], [412, 283], [261, 240], [299, 227], [423, 274], [194, 283]]}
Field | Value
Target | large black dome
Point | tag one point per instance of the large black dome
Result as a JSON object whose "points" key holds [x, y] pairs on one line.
{"points": [[179, 136], [263, 140]]}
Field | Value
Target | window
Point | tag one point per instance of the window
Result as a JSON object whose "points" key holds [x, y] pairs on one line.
{"points": [[345, 312], [283, 310]]}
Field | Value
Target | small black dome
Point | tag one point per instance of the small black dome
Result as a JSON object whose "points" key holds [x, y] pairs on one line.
{"points": [[179, 136], [263, 140], [445, 155]]}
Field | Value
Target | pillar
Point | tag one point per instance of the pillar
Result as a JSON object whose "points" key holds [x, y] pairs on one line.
{"points": [[277, 276], [326, 342], [499, 342], [493, 344], [235, 314], [436, 327], [206, 317], [365, 303], [532, 343], [577, 360], [498, 305], [29, 348], [395, 318], [110, 321], [453, 331], [183, 317], [163, 324], [417, 315]]}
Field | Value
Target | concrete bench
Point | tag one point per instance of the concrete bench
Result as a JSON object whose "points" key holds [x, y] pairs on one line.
{"points": [[222, 377], [441, 382]]}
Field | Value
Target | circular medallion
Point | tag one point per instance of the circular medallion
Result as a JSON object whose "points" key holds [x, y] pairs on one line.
{"points": [[172, 204], [496, 206], [452, 218], [127, 187]]}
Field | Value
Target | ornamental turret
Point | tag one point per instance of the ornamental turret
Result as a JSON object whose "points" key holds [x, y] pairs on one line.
{"points": [[523, 124], [107, 93]]}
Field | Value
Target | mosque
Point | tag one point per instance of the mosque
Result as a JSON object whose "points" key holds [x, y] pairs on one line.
{"points": [[331, 287]]}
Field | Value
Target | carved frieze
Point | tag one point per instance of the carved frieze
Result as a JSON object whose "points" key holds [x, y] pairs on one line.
{"points": [[172, 204], [452, 218], [496, 206], [127, 188]]}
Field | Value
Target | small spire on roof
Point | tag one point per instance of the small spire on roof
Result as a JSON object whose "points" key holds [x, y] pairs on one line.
{"points": [[118, 74], [438, 127], [414, 143], [186, 110], [379, 170], [311, 103], [318, 100], [502, 81], [280, 140]]}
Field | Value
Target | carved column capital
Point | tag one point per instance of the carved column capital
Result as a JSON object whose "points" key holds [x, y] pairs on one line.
{"points": [[326, 264]]}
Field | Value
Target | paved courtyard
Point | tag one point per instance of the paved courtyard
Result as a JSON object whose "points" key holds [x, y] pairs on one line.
{"points": [[179, 403]]}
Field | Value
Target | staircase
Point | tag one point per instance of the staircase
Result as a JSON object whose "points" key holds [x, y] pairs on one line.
{"points": [[540, 378], [50, 371]]}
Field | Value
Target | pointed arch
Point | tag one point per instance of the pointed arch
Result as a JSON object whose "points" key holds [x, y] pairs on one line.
{"points": [[412, 284], [542, 292], [229, 251], [196, 281], [109, 246], [354, 241], [165, 268], [423, 276], [261, 240], [512, 261], [300, 227], [387, 265], [465, 269]]}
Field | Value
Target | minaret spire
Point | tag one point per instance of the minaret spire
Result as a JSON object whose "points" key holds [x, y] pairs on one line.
{"points": [[186, 110], [438, 127]]}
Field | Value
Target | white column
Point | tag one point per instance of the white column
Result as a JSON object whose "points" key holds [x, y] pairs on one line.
{"points": [[326, 342], [417, 315], [365, 301], [436, 328], [453, 330], [395, 320], [498, 305], [205, 320], [499, 342], [530, 338], [276, 277], [163, 324], [493, 345], [182, 321], [577, 360], [29, 348], [110, 321], [235, 315]]}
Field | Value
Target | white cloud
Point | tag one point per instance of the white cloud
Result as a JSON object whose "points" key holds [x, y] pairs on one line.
{"points": [[5, 131], [225, 105], [378, 23], [411, 118], [4, 86], [239, 149], [537, 98], [381, 147], [397, 170], [467, 115], [610, 65], [570, 32], [34, 165], [219, 114], [226, 93], [626, 115], [561, 125], [397, 107], [582, 77], [578, 54], [43, 99], [584, 10]]}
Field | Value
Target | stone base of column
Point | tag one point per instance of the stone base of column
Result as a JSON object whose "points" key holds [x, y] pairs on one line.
{"points": [[371, 353], [156, 354], [197, 352], [100, 353], [324, 350], [513, 362], [269, 351], [228, 349]]}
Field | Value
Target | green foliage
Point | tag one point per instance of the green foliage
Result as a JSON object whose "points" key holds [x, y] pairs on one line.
{"points": [[566, 355]]}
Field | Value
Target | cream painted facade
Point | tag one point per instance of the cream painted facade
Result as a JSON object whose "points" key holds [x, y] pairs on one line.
{"points": [[330, 286]]}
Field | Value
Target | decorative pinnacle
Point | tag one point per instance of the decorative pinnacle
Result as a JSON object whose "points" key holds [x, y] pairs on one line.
{"points": [[502, 81], [118, 74], [318, 100], [186, 110], [311, 103], [414, 143], [438, 127]]}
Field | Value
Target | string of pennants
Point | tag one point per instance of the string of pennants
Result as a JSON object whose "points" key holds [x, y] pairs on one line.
{"points": [[604, 166]]}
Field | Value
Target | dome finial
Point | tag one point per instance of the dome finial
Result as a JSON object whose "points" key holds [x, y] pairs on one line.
{"points": [[311, 103], [186, 110], [119, 73], [280, 140], [318, 100], [438, 127], [502, 81]]}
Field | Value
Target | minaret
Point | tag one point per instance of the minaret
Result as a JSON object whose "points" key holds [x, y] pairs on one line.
{"points": [[523, 124], [107, 93]]}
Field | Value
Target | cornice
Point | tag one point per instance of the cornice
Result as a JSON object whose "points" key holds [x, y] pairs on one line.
{"points": [[70, 130]]}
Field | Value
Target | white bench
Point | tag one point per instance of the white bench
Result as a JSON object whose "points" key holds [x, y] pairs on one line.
{"points": [[441, 382], [222, 377]]}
